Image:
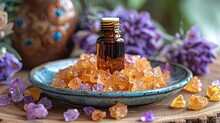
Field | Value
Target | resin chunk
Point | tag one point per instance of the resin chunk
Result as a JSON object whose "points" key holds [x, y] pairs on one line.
{"points": [[194, 85], [215, 96], [197, 102], [178, 102], [213, 93], [118, 111], [212, 90], [34, 92], [98, 115], [75, 83], [137, 75]]}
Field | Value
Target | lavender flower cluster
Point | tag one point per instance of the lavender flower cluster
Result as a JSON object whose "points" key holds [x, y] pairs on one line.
{"points": [[9, 65], [140, 33], [196, 53]]}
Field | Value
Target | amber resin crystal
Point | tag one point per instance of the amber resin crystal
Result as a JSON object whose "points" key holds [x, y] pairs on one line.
{"points": [[137, 75], [178, 102], [197, 102], [98, 115], [194, 85], [118, 111], [213, 93]]}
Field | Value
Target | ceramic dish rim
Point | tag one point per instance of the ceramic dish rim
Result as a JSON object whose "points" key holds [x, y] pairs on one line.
{"points": [[165, 89]]}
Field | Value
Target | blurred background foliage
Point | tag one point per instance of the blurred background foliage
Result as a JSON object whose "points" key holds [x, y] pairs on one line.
{"points": [[167, 13]]}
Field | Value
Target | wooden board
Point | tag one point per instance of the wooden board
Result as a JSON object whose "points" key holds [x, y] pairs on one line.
{"points": [[162, 110]]}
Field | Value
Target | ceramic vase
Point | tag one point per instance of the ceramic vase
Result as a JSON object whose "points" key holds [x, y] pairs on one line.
{"points": [[42, 30]]}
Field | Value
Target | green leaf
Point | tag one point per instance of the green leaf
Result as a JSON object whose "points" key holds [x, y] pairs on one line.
{"points": [[11, 50], [136, 4]]}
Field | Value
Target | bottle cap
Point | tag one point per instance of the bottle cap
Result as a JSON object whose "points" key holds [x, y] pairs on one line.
{"points": [[110, 23], [110, 19]]}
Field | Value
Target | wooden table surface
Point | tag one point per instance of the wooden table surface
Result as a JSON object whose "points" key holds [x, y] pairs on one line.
{"points": [[162, 110]]}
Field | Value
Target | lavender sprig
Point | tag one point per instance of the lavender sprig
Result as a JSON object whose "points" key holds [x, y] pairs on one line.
{"points": [[196, 52]]}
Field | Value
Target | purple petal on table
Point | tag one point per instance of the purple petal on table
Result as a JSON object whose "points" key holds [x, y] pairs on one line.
{"points": [[84, 87], [216, 82], [88, 110], [98, 87], [148, 116], [17, 95], [46, 102], [36, 111], [28, 99], [71, 115], [17, 84], [4, 100]]}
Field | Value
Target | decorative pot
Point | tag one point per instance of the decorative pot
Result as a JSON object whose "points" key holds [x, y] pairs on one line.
{"points": [[43, 29]]}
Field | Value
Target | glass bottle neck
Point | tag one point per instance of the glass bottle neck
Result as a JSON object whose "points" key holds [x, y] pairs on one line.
{"points": [[110, 33]]}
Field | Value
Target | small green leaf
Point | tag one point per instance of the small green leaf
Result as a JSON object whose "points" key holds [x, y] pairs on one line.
{"points": [[136, 4], [11, 50]]}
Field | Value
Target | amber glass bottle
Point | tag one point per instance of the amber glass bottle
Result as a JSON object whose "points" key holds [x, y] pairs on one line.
{"points": [[110, 46]]}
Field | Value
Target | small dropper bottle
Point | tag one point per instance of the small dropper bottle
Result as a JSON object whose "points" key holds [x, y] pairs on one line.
{"points": [[110, 46]]}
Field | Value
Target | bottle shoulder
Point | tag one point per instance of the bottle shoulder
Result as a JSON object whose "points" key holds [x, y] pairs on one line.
{"points": [[110, 39]]}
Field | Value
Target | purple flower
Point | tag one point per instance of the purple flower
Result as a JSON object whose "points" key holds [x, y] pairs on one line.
{"points": [[17, 95], [193, 34], [86, 40], [71, 115], [46, 102], [140, 33], [4, 100], [84, 87], [196, 53], [148, 116], [36, 111], [17, 84], [28, 99], [9, 65], [88, 110], [216, 82], [98, 87]]}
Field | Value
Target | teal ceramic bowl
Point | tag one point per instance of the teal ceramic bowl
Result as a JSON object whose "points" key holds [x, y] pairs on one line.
{"points": [[41, 77]]}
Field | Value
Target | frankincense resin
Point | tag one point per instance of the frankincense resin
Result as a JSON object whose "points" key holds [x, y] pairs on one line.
{"points": [[84, 75], [194, 85], [98, 115], [118, 111], [178, 102], [213, 93], [197, 102]]}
